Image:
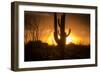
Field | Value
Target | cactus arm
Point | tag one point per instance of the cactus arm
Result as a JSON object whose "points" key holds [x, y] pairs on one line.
{"points": [[68, 33], [59, 23]]}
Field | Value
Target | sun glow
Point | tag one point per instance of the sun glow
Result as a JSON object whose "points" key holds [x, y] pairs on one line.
{"points": [[51, 40], [69, 39], [72, 39]]}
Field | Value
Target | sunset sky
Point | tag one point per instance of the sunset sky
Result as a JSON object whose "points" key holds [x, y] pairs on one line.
{"points": [[78, 23]]}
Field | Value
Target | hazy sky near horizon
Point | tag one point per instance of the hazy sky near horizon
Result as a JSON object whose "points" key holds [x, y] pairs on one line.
{"points": [[78, 23]]}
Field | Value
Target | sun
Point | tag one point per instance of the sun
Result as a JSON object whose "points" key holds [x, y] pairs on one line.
{"points": [[68, 40], [72, 39]]}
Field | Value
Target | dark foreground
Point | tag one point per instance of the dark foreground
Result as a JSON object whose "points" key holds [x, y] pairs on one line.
{"points": [[38, 51]]}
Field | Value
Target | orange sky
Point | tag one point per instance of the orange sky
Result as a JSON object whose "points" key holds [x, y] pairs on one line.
{"points": [[79, 24]]}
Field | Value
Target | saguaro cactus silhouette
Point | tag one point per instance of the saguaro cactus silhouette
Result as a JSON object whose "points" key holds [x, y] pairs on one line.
{"points": [[60, 23]]}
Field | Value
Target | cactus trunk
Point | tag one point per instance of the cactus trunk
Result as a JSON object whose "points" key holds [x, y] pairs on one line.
{"points": [[62, 30]]}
